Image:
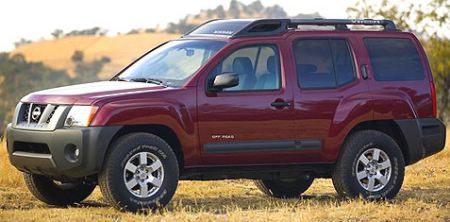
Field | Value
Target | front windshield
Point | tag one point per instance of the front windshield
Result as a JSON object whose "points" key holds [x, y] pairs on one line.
{"points": [[173, 63]]}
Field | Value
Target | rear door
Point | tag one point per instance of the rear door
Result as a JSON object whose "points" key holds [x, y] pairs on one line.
{"points": [[327, 92]]}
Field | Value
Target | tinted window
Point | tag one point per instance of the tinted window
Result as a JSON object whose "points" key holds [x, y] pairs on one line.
{"points": [[258, 68], [323, 63], [394, 59], [343, 64]]}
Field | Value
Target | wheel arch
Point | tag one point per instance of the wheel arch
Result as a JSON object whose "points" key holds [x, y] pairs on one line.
{"points": [[391, 128], [165, 132]]}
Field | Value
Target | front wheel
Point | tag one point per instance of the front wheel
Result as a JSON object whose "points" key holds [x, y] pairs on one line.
{"points": [[141, 171], [371, 165], [55, 192]]}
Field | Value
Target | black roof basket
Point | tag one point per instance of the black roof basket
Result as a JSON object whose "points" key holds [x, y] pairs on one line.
{"points": [[233, 28]]}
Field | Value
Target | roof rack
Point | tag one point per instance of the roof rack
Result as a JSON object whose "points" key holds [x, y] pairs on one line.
{"points": [[342, 23], [233, 28]]}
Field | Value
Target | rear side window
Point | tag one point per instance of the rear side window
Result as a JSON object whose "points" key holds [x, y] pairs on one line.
{"points": [[394, 59], [343, 65], [323, 63]]}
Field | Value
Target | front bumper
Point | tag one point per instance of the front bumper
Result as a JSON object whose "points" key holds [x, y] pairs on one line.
{"points": [[49, 152], [424, 137]]}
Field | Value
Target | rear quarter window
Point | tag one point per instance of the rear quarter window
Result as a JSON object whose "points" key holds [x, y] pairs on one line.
{"points": [[394, 59]]}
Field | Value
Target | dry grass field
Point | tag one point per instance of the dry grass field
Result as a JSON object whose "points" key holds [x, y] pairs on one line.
{"points": [[425, 196], [122, 50]]}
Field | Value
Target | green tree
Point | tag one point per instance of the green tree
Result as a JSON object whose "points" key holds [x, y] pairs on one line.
{"points": [[133, 31], [77, 56], [19, 77], [438, 52], [424, 18], [87, 71], [234, 9], [22, 42], [57, 33]]}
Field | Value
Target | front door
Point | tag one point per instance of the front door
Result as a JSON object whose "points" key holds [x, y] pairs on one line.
{"points": [[251, 123]]}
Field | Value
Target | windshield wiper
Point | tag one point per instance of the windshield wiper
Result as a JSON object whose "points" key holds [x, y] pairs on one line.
{"points": [[118, 79], [149, 80]]}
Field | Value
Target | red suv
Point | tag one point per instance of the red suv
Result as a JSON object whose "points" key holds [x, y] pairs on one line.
{"points": [[281, 101]]}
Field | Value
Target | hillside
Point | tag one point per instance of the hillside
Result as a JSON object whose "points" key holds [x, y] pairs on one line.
{"points": [[235, 9], [122, 49]]}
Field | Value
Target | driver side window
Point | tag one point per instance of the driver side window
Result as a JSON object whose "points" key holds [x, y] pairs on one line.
{"points": [[258, 68]]}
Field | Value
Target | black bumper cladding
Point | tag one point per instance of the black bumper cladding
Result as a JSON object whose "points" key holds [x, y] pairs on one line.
{"points": [[51, 152], [424, 137]]}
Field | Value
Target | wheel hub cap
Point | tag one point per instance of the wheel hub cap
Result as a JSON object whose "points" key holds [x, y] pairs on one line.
{"points": [[373, 169], [143, 174]]}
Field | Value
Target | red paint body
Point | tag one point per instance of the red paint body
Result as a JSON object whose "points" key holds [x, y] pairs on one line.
{"points": [[195, 115]]}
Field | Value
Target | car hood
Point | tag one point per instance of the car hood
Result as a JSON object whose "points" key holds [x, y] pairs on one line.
{"points": [[85, 94]]}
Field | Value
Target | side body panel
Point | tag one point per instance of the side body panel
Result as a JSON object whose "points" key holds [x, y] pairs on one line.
{"points": [[175, 108], [400, 99]]}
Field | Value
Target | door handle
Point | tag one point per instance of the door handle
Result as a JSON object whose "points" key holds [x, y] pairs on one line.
{"points": [[364, 71], [280, 104]]}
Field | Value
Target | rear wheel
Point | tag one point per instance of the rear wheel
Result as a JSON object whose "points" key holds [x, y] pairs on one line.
{"points": [[141, 171], [371, 166], [57, 193], [285, 188]]}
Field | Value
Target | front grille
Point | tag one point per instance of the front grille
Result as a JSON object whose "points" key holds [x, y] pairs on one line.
{"points": [[25, 110], [31, 147], [51, 115], [36, 113]]}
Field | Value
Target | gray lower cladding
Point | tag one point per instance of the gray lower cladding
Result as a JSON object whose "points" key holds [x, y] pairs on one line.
{"points": [[424, 137], [53, 160], [259, 146]]}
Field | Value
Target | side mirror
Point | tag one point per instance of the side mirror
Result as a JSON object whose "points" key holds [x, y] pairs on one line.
{"points": [[224, 80]]}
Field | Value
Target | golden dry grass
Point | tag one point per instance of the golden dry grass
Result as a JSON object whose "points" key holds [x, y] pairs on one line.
{"points": [[425, 196], [122, 50]]}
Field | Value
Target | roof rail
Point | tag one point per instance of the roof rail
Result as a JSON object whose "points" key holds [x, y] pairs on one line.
{"points": [[233, 28], [342, 23]]}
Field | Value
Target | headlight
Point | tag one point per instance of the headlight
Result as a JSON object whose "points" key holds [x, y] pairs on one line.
{"points": [[80, 116]]}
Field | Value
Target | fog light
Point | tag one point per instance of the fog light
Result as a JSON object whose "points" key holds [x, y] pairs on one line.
{"points": [[72, 152], [69, 121], [76, 153]]}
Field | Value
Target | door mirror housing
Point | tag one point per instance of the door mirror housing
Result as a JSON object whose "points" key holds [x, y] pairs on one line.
{"points": [[223, 81]]}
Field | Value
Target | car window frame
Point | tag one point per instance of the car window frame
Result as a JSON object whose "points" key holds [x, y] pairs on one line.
{"points": [[394, 80], [277, 54], [352, 58]]}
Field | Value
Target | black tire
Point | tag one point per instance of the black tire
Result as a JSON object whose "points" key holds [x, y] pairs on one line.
{"points": [[55, 193], [291, 188], [111, 178], [344, 177]]}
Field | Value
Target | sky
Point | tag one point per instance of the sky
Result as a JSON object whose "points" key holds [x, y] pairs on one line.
{"points": [[36, 19], [31, 19]]}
